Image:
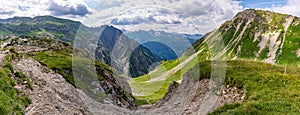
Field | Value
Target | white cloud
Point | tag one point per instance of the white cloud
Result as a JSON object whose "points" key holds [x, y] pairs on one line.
{"points": [[68, 7], [292, 7], [8, 8], [149, 15], [72, 9], [193, 16]]}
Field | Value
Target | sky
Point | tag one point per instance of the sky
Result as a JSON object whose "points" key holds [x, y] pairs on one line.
{"points": [[179, 16]]}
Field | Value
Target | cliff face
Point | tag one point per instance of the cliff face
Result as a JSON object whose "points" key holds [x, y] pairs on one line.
{"points": [[124, 54]]}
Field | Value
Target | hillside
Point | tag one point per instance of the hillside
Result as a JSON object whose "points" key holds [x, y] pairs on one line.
{"points": [[249, 87], [259, 35], [61, 29], [37, 77], [253, 35]]}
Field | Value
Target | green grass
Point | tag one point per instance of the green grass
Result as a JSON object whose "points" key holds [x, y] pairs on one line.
{"points": [[59, 61], [291, 45], [10, 102], [80, 75]]}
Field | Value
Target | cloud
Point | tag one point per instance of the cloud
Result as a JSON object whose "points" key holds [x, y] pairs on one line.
{"points": [[292, 7], [71, 9], [147, 16], [193, 16], [68, 7], [8, 8]]}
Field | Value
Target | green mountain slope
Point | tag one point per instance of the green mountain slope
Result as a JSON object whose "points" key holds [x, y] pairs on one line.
{"points": [[255, 35], [61, 29], [270, 89], [260, 35], [250, 87]]}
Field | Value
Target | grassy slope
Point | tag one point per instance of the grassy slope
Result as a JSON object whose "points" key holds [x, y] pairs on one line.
{"points": [[153, 91], [10, 101], [61, 62], [269, 90]]}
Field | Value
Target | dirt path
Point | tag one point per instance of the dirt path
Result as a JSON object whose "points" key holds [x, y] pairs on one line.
{"points": [[175, 69]]}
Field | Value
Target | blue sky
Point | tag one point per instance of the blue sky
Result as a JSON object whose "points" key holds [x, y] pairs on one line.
{"points": [[184, 16], [262, 3]]}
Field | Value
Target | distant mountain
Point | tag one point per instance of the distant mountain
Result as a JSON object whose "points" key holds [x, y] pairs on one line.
{"points": [[61, 29], [166, 45], [103, 41]]}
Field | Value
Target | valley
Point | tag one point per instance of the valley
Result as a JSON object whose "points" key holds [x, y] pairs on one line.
{"points": [[243, 40]]}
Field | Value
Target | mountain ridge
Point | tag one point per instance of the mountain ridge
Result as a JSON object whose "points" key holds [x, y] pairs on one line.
{"points": [[68, 31]]}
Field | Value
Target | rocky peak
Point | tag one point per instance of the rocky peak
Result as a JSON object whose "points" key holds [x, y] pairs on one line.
{"points": [[109, 37], [247, 14]]}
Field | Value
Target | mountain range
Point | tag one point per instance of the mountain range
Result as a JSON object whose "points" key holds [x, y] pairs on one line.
{"points": [[102, 40], [248, 65], [166, 45]]}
